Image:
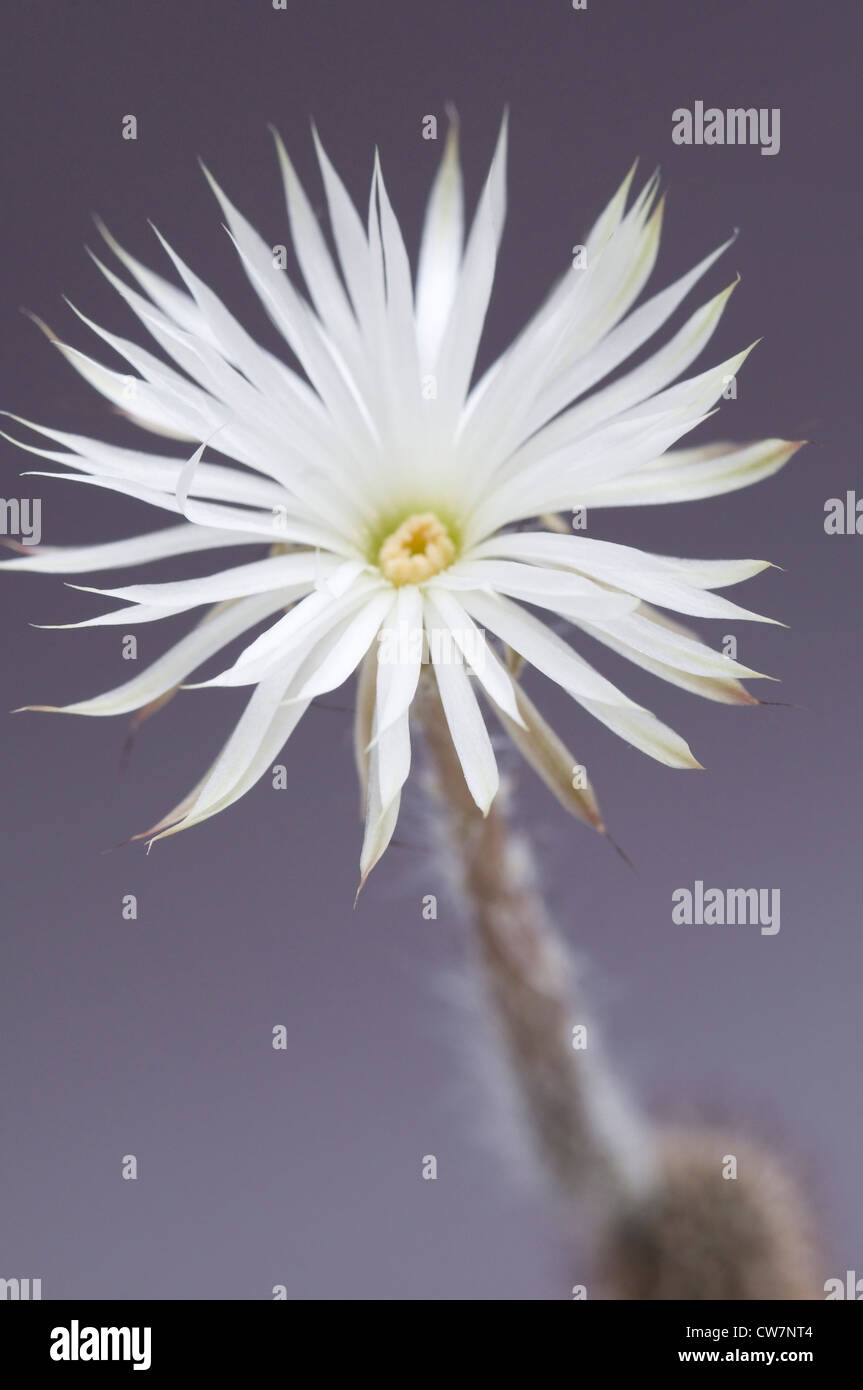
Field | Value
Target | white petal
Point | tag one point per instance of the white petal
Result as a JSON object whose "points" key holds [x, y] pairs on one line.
{"points": [[587, 303], [533, 379], [397, 680], [556, 481], [724, 688], [206, 639], [171, 300], [619, 344], [542, 648], [636, 386], [364, 709], [315, 261], [286, 434], [440, 252], [379, 826], [217, 481], [394, 758], [468, 731], [255, 742], [548, 324], [397, 357], [321, 362], [118, 617], [551, 760], [276, 572], [380, 820], [140, 400], [349, 237], [86, 559], [566, 593], [398, 278], [230, 338], [645, 732], [610, 218], [687, 475], [240, 527], [637, 634], [462, 334], [445, 614], [293, 636], [354, 642], [658, 579], [618, 274]]}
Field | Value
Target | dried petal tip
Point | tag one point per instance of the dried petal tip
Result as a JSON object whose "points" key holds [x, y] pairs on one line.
{"points": [[40, 323]]}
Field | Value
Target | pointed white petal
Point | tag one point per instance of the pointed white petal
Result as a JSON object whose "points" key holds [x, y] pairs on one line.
{"points": [[446, 615], [440, 253], [294, 635], [379, 825], [172, 301], [350, 239], [399, 656], [637, 634], [541, 647], [240, 527], [468, 731], [687, 475], [645, 732], [557, 482], [217, 481], [620, 343], [651, 377], [339, 663], [723, 688], [544, 650], [206, 639], [381, 818], [658, 579], [566, 593], [610, 218], [306, 567], [394, 758], [322, 363], [118, 617], [364, 709], [257, 738], [551, 760], [86, 559], [321, 277], [462, 334]]}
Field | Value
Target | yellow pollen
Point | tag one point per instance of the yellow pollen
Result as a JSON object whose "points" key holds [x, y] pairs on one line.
{"points": [[419, 548]]}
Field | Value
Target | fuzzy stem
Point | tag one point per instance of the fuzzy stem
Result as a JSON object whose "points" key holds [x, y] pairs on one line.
{"points": [[574, 1116], [667, 1223]]}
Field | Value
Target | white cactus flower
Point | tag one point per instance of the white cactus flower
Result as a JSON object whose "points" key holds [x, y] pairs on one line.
{"points": [[396, 497]]}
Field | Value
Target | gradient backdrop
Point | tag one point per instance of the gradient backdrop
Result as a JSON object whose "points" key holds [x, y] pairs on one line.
{"points": [[153, 1037]]}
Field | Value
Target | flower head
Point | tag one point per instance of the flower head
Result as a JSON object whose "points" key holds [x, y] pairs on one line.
{"points": [[393, 495]]}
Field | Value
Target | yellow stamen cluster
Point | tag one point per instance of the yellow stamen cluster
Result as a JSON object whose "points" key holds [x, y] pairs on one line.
{"points": [[420, 547]]}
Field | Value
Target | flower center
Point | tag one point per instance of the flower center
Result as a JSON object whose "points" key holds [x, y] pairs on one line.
{"points": [[420, 547]]}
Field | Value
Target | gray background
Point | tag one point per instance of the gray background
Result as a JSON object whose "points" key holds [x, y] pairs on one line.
{"points": [[152, 1037]]}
